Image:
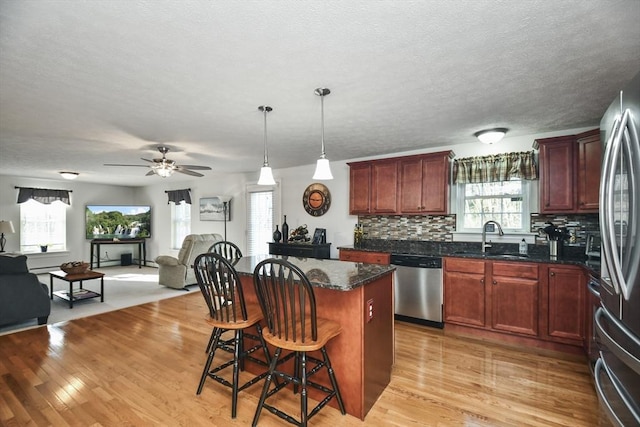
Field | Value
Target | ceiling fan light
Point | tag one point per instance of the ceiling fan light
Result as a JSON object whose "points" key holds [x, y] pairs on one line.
{"points": [[323, 169], [491, 136], [164, 172], [266, 176], [69, 175]]}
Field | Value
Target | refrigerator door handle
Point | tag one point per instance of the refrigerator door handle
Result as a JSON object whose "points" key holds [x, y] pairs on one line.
{"points": [[606, 204], [613, 346], [601, 366]]}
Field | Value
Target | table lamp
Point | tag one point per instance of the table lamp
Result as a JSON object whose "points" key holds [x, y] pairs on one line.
{"points": [[5, 227]]}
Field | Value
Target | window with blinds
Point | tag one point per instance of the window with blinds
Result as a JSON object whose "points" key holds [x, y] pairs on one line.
{"points": [[43, 225], [180, 223], [260, 220]]}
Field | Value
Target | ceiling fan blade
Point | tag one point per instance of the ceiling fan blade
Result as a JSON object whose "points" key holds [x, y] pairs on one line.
{"points": [[151, 172], [187, 171], [146, 160], [198, 168], [118, 164]]}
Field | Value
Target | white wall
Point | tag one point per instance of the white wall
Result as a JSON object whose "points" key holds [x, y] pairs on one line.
{"points": [[293, 181]]}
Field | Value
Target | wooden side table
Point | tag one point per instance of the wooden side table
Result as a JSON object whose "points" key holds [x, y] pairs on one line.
{"points": [[79, 294]]}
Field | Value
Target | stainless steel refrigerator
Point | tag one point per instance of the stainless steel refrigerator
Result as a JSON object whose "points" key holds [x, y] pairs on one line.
{"points": [[617, 321]]}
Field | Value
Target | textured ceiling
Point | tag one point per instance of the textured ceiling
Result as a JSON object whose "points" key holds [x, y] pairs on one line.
{"points": [[83, 83]]}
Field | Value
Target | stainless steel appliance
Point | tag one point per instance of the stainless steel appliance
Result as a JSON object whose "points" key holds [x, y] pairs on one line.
{"points": [[418, 289], [617, 321]]}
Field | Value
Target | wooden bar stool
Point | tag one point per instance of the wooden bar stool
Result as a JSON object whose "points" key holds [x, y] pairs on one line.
{"points": [[289, 309], [222, 291], [232, 253]]}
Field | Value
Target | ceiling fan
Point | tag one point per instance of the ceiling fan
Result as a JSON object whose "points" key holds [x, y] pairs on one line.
{"points": [[164, 167]]}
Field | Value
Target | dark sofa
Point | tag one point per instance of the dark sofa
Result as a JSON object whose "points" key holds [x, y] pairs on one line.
{"points": [[22, 296]]}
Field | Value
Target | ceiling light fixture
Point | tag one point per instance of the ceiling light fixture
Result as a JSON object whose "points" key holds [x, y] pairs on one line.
{"points": [[491, 136], [323, 169], [69, 175], [164, 170], [266, 176]]}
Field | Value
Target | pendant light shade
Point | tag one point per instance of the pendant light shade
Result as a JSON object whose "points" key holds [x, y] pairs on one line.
{"points": [[266, 175], [323, 169]]}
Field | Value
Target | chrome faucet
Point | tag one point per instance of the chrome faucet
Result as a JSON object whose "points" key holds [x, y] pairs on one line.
{"points": [[486, 245]]}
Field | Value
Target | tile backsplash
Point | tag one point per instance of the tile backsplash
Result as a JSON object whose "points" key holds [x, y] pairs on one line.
{"points": [[428, 228], [440, 228], [579, 225]]}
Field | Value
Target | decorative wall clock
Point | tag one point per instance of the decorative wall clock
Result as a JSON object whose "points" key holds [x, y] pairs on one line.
{"points": [[316, 199]]}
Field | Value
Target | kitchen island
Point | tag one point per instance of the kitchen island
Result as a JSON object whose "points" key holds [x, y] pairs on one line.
{"points": [[360, 298]]}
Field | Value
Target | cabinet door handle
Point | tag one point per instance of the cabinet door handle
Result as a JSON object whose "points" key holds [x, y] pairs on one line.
{"points": [[552, 274], [495, 283], [482, 281]]}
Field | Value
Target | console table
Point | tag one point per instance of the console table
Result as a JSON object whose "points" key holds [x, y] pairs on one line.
{"points": [[142, 249], [304, 250]]}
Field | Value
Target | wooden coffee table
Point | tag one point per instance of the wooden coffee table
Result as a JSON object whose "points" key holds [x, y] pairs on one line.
{"points": [[78, 294]]}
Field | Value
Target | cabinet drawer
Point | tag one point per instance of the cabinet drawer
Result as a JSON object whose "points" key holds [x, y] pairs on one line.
{"points": [[365, 257], [464, 265], [515, 269]]}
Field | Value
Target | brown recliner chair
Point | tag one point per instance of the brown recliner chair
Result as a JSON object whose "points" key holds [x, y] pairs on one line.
{"points": [[178, 272]]}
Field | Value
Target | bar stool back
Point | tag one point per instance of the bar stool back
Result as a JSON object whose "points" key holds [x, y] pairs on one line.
{"points": [[228, 250], [289, 309], [221, 288]]}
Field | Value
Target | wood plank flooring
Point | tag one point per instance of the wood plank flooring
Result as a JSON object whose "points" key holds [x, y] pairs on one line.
{"points": [[140, 366]]}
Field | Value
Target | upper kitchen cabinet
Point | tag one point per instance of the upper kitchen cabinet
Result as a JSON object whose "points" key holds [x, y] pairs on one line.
{"points": [[401, 185], [589, 166], [359, 188], [424, 183], [570, 173], [384, 187]]}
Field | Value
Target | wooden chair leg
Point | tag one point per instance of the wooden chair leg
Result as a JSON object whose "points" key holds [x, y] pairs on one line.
{"points": [[332, 377], [213, 333], [265, 389], [207, 365], [303, 384], [236, 371]]}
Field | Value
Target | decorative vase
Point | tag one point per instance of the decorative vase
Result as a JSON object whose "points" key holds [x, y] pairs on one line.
{"points": [[285, 230], [43, 248], [277, 235]]}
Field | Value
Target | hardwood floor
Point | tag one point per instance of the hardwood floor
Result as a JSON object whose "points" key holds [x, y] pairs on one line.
{"points": [[140, 366]]}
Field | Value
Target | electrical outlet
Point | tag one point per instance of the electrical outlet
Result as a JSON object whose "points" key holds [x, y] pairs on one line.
{"points": [[370, 310]]}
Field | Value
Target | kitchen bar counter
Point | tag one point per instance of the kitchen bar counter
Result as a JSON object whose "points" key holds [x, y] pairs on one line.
{"points": [[360, 298]]}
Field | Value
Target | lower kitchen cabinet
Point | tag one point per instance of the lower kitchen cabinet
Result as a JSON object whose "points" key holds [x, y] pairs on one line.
{"points": [[514, 297], [495, 295], [523, 302], [565, 293], [464, 292]]}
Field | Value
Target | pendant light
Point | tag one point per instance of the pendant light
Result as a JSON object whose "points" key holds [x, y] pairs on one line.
{"points": [[323, 170], [266, 176]]}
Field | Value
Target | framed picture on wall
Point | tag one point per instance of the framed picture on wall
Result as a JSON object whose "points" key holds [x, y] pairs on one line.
{"points": [[216, 208]]}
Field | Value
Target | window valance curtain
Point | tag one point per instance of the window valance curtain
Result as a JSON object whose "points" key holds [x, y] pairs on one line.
{"points": [[497, 167], [176, 196], [43, 195]]}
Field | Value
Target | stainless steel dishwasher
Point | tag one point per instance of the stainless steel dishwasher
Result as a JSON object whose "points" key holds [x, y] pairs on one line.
{"points": [[418, 289]]}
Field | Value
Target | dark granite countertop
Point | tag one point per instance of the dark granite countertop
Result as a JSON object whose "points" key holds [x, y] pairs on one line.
{"points": [[573, 255], [324, 273]]}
